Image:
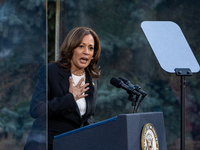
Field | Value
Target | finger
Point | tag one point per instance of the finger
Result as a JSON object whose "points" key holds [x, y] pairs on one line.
{"points": [[84, 90], [70, 81], [79, 83], [83, 95], [85, 85]]}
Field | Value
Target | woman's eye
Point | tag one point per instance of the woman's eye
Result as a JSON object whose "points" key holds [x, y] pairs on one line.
{"points": [[91, 48], [81, 46]]}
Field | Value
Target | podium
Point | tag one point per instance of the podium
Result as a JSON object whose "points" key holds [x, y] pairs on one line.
{"points": [[122, 132]]}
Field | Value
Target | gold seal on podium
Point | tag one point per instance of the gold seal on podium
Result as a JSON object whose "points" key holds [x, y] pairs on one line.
{"points": [[149, 138]]}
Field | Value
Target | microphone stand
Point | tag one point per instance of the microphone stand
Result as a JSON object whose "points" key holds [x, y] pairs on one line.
{"points": [[141, 99], [133, 100]]}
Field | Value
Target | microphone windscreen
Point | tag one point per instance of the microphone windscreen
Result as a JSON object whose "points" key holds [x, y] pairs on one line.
{"points": [[116, 82]]}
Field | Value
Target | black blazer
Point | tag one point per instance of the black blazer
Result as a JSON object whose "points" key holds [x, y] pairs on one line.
{"points": [[63, 112]]}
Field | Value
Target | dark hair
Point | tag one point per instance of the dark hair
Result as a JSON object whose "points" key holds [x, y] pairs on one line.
{"points": [[72, 41]]}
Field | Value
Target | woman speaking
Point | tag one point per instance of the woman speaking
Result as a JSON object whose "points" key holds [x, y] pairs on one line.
{"points": [[72, 88]]}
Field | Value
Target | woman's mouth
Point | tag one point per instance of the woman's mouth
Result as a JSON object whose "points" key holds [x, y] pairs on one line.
{"points": [[83, 60]]}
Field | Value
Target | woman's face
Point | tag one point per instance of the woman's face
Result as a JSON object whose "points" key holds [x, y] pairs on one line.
{"points": [[82, 55]]}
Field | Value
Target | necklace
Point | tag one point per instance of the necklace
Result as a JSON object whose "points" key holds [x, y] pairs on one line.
{"points": [[76, 79], [77, 73]]}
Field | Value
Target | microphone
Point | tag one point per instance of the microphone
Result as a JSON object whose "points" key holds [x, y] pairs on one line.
{"points": [[120, 84], [135, 87]]}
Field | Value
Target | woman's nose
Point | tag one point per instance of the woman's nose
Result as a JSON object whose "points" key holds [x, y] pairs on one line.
{"points": [[86, 50]]}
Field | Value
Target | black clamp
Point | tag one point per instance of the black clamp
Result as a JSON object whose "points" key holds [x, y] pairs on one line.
{"points": [[183, 71]]}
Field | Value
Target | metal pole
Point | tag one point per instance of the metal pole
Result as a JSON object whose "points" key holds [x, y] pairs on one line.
{"points": [[183, 72], [183, 85], [57, 29]]}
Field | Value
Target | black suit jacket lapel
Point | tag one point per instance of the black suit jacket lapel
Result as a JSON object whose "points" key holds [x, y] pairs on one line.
{"points": [[64, 83], [89, 98]]}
